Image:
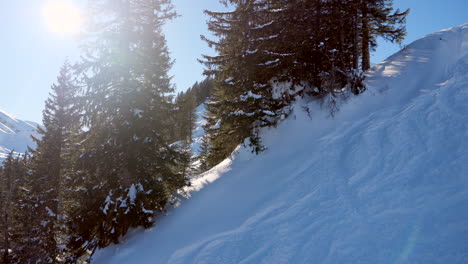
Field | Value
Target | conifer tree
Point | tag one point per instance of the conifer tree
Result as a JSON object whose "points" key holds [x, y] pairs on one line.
{"points": [[242, 99], [12, 229], [7, 190], [202, 90], [379, 20], [309, 47], [50, 163], [26, 236], [185, 115], [129, 169], [204, 150]]}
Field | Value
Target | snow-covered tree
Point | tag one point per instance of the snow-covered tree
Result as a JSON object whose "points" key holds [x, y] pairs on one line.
{"points": [[14, 230], [50, 166], [129, 170], [309, 47]]}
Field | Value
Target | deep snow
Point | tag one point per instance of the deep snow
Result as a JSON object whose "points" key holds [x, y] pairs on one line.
{"points": [[385, 181], [15, 134]]}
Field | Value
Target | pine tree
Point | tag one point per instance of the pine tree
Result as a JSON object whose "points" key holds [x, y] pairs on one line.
{"points": [[11, 227], [379, 20], [129, 171], [6, 198], [23, 234], [185, 115], [49, 164], [27, 235], [204, 151], [242, 98], [309, 47], [202, 90]]}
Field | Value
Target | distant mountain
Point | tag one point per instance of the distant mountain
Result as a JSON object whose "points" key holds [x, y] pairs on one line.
{"points": [[15, 134]]}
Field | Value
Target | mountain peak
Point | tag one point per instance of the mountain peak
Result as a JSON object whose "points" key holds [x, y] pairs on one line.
{"points": [[15, 134]]}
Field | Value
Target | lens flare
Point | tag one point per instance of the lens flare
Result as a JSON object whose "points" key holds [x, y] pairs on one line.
{"points": [[62, 17]]}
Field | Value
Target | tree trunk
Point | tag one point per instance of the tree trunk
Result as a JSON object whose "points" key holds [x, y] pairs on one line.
{"points": [[318, 14], [7, 244], [6, 257], [356, 40], [365, 38]]}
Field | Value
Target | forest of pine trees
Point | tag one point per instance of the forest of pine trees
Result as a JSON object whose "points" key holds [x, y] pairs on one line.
{"points": [[316, 48], [186, 102], [105, 160]]}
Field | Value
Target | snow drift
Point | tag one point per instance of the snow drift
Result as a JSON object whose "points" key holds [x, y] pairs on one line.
{"points": [[15, 134], [385, 181]]}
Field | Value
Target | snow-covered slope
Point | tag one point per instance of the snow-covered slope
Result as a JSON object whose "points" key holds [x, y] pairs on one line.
{"points": [[198, 131], [385, 181], [14, 134]]}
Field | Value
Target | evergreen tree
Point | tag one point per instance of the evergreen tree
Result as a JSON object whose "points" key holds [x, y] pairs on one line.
{"points": [[202, 90], [185, 115], [379, 20], [50, 163], [12, 230], [129, 171], [186, 104], [26, 236], [270, 51], [7, 177], [242, 98], [204, 151]]}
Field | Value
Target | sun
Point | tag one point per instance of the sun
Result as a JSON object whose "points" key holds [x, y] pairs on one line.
{"points": [[62, 17]]}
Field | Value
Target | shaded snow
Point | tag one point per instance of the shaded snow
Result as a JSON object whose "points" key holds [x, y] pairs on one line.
{"points": [[132, 193], [49, 212], [198, 131], [385, 181], [250, 95]]}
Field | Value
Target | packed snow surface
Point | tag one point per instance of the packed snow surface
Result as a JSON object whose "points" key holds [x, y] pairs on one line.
{"points": [[385, 181], [15, 134]]}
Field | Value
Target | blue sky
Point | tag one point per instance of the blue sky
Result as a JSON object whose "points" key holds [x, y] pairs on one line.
{"points": [[32, 55]]}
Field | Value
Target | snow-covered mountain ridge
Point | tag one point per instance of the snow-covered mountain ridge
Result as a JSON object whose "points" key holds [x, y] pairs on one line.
{"points": [[15, 134], [385, 181]]}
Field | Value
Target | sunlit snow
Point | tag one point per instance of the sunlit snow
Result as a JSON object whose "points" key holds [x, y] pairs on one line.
{"points": [[385, 181], [15, 134]]}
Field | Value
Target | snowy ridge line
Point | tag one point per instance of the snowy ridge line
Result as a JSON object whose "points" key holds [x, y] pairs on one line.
{"points": [[15, 135], [385, 181]]}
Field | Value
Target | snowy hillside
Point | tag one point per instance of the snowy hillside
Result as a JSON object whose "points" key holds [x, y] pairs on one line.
{"points": [[385, 181], [14, 134], [198, 131]]}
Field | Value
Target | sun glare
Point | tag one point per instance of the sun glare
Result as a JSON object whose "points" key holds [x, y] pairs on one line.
{"points": [[62, 17]]}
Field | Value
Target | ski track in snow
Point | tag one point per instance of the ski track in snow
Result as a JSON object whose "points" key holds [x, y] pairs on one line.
{"points": [[385, 181]]}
